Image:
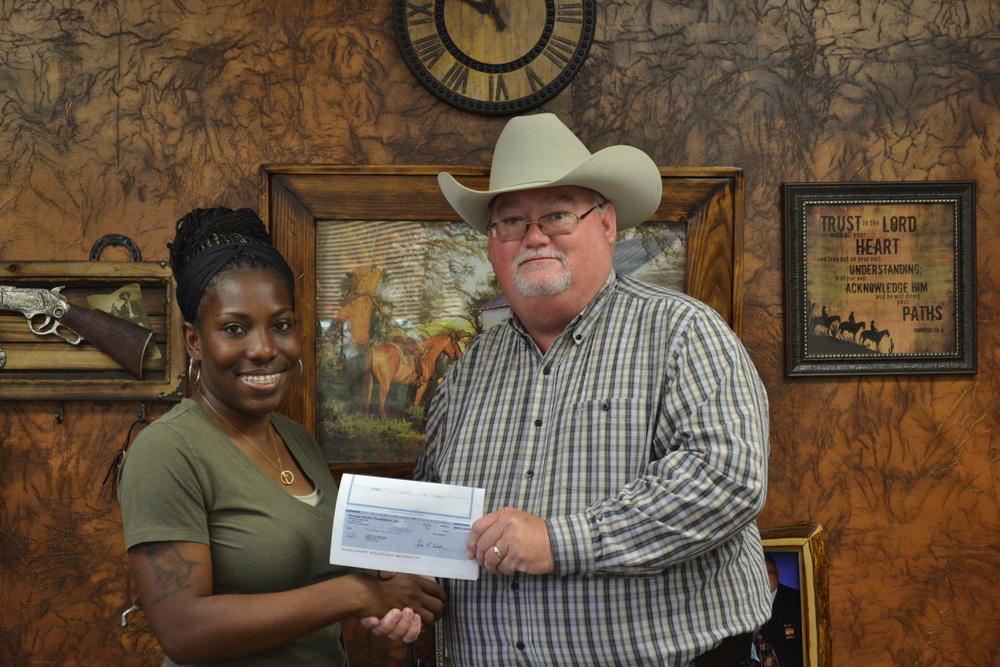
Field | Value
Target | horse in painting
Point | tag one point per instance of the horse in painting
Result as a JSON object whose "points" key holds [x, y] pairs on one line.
{"points": [[386, 363]]}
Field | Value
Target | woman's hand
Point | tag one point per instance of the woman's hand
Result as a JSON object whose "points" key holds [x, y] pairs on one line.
{"points": [[421, 594], [404, 625]]}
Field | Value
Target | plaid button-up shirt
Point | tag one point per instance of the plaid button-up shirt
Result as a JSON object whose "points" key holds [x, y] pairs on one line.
{"points": [[641, 437]]}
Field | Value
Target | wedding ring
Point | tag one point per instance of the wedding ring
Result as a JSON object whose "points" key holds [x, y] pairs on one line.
{"points": [[497, 553]]}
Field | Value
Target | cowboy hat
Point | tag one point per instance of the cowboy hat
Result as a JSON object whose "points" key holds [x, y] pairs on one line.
{"points": [[538, 151]]}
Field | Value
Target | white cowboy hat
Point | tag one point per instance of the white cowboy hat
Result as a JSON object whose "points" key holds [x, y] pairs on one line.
{"points": [[538, 151]]}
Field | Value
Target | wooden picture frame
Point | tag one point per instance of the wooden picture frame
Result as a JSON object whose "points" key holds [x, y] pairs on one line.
{"points": [[295, 198], [880, 278], [707, 201], [46, 367], [800, 555]]}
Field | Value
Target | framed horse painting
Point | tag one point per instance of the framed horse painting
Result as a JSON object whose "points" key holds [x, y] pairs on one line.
{"points": [[391, 288], [396, 287], [880, 278]]}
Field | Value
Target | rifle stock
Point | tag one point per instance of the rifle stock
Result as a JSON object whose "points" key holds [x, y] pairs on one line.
{"points": [[120, 339]]}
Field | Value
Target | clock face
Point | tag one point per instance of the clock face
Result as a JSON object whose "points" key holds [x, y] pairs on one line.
{"points": [[494, 57]]}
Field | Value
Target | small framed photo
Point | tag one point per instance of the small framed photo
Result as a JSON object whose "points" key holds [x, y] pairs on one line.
{"points": [[880, 278], [797, 634]]}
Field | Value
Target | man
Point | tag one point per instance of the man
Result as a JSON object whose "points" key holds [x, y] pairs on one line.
{"points": [[619, 429], [125, 309], [783, 630]]}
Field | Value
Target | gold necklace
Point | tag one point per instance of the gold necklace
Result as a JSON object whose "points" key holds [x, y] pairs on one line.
{"points": [[286, 476]]}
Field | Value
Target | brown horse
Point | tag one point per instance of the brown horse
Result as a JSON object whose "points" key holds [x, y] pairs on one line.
{"points": [[389, 362]]}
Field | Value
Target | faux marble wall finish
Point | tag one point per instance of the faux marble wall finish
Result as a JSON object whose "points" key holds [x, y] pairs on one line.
{"points": [[121, 116]]}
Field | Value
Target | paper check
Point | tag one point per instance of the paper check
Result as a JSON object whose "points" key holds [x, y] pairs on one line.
{"points": [[405, 526]]}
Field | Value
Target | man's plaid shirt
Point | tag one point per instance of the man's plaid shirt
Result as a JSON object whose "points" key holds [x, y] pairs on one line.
{"points": [[641, 437]]}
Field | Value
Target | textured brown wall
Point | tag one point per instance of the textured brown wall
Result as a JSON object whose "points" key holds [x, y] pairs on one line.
{"points": [[121, 116]]}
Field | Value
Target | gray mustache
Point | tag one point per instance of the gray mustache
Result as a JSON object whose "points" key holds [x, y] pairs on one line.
{"points": [[535, 254]]}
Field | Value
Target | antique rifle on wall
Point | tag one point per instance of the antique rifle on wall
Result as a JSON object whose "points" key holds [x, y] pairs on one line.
{"points": [[121, 340]]}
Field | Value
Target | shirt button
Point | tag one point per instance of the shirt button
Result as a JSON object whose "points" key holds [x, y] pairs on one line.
{"points": [[578, 337], [547, 370], [519, 645], [605, 406], [529, 474], [538, 422], [514, 586]]}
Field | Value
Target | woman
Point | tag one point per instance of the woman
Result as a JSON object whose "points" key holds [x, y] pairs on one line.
{"points": [[228, 506]]}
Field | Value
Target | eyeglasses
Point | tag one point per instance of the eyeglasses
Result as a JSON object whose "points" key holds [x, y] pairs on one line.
{"points": [[552, 224]]}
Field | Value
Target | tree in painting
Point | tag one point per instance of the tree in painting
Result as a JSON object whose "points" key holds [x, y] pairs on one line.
{"points": [[397, 303]]}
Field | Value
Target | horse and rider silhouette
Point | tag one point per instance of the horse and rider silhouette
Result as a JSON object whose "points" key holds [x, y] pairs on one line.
{"points": [[851, 327], [831, 324], [874, 336], [825, 322], [412, 363]]}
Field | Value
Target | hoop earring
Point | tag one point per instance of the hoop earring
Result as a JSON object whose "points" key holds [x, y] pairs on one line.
{"points": [[192, 378], [302, 367]]}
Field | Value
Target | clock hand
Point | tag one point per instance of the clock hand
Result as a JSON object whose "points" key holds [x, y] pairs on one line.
{"points": [[489, 7], [481, 7]]}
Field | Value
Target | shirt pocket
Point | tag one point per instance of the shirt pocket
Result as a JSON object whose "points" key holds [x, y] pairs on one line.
{"points": [[603, 445]]}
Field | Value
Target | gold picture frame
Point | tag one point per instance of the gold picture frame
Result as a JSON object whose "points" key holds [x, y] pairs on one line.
{"points": [[800, 556]]}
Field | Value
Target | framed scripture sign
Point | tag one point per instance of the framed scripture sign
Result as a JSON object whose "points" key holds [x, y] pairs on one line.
{"points": [[880, 278]]}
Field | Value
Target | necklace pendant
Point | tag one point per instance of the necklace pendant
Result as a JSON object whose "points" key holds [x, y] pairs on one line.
{"points": [[287, 477]]}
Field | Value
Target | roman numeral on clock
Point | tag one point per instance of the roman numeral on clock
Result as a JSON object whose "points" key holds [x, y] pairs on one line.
{"points": [[569, 12], [457, 78], [533, 79], [559, 50], [498, 90], [422, 9], [429, 49]]}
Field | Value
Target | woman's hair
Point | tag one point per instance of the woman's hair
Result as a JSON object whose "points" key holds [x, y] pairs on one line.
{"points": [[210, 241]]}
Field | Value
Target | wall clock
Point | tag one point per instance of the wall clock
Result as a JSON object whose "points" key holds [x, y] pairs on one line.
{"points": [[495, 57]]}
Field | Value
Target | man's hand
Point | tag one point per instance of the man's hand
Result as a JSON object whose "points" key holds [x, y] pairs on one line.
{"points": [[509, 541]]}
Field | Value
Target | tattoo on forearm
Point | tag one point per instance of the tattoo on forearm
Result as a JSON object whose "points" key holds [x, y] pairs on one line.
{"points": [[173, 572]]}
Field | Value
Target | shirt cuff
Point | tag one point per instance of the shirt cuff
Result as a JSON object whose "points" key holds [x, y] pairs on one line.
{"points": [[573, 547]]}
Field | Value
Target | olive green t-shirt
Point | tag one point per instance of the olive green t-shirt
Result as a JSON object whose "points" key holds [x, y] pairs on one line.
{"points": [[184, 480]]}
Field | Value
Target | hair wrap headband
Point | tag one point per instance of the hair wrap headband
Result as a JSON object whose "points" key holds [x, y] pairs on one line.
{"points": [[204, 266]]}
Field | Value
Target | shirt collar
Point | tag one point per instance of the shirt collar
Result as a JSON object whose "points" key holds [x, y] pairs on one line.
{"points": [[580, 326]]}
